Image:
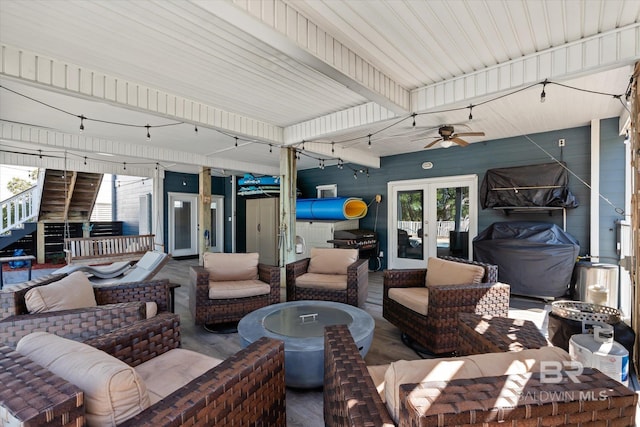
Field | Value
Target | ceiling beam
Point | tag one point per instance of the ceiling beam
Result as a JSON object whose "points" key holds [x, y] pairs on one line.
{"points": [[592, 54], [70, 79], [55, 144], [283, 28]]}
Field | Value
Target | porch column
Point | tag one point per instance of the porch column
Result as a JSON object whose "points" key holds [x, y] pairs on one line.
{"points": [[157, 217], [204, 212], [288, 179]]}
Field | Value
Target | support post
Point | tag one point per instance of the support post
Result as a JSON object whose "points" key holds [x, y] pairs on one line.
{"points": [[288, 185], [40, 255], [204, 212]]}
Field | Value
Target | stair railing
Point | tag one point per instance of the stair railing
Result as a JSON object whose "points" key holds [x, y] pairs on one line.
{"points": [[21, 208]]}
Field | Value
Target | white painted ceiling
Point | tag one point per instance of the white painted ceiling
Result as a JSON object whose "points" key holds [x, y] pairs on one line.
{"points": [[312, 70]]}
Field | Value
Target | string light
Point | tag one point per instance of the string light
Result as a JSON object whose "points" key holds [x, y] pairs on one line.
{"points": [[124, 165], [303, 144], [270, 148], [236, 141], [81, 123], [195, 129], [332, 147], [85, 160], [414, 119], [470, 111], [148, 133], [355, 175], [369, 145], [543, 94]]}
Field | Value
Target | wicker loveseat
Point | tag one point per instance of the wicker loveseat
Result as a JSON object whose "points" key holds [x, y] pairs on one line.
{"points": [[427, 312], [246, 389], [117, 306], [458, 391]]}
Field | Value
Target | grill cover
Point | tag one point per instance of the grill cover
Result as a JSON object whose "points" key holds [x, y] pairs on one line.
{"points": [[527, 186], [535, 258]]}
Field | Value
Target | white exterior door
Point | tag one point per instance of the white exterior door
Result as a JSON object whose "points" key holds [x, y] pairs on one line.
{"points": [[431, 217], [216, 243], [183, 224]]}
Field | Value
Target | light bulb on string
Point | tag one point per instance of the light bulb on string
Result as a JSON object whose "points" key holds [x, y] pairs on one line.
{"points": [[332, 148], [236, 141], [270, 148], [471, 112], [355, 175], [195, 129], [148, 132], [369, 144], [303, 144], [85, 160], [82, 123], [124, 165], [543, 94], [414, 119]]}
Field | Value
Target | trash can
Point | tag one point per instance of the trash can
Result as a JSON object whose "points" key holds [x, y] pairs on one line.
{"points": [[596, 283]]}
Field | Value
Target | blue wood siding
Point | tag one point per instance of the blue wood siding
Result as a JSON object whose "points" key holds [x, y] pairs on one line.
{"points": [[476, 159], [128, 190]]}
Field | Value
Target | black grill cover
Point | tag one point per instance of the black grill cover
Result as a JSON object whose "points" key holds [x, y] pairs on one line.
{"points": [[527, 186], [535, 258]]}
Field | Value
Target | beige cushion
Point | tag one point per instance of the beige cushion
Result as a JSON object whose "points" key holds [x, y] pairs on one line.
{"points": [[172, 370], [444, 272], [152, 309], [331, 260], [73, 291], [377, 373], [113, 391], [416, 299], [227, 267], [322, 281], [479, 365], [237, 289]]}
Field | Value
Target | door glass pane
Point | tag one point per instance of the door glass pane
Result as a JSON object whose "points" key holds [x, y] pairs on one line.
{"points": [[453, 221], [182, 220], [214, 226], [410, 220]]}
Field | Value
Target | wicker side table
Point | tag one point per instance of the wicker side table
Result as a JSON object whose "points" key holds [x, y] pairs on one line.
{"points": [[485, 334], [519, 400]]}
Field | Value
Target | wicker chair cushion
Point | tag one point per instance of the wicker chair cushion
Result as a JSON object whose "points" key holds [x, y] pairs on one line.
{"points": [[479, 365], [322, 281], [172, 370], [73, 291], [444, 272], [237, 289], [331, 260], [229, 267], [416, 299], [113, 391]]}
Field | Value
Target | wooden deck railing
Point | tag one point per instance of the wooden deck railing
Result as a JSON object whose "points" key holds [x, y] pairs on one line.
{"points": [[99, 250]]}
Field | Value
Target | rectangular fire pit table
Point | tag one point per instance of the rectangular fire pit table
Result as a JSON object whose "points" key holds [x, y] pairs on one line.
{"points": [[486, 334]]}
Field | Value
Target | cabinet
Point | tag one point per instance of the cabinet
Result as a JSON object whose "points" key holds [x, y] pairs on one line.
{"points": [[262, 229], [314, 234]]}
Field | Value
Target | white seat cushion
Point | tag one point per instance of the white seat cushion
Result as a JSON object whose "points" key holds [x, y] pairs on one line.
{"points": [[237, 289], [113, 391], [322, 281], [73, 291], [416, 299], [168, 372]]}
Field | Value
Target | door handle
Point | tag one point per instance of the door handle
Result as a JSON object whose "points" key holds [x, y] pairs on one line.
{"points": [[258, 228]]}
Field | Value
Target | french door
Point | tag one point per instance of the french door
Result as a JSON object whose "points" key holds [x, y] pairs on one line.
{"points": [[217, 224], [183, 224], [431, 217]]}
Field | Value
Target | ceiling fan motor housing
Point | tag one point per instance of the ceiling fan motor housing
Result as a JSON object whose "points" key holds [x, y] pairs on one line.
{"points": [[446, 131]]}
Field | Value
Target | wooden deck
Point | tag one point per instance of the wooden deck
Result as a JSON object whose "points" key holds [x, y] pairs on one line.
{"points": [[304, 407]]}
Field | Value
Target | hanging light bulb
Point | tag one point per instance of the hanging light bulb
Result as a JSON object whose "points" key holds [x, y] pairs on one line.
{"points": [[369, 145], [82, 123], [471, 112], [332, 149], [270, 148], [148, 133], [124, 165], [355, 175], [85, 160], [195, 129], [303, 144], [543, 95], [236, 141], [414, 119]]}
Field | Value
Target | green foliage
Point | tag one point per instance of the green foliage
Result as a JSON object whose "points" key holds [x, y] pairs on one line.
{"points": [[18, 185]]}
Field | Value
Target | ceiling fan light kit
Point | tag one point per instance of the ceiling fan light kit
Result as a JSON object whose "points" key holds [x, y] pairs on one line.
{"points": [[448, 137]]}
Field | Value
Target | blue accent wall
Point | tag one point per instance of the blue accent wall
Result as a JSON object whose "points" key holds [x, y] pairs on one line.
{"points": [[476, 159]]}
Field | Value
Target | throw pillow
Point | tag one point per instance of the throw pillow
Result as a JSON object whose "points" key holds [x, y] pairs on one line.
{"points": [[73, 291], [331, 260], [445, 272], [229, 267]]}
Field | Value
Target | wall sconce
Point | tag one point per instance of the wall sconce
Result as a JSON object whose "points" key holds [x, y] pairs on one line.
{"points": [[184, 181]]}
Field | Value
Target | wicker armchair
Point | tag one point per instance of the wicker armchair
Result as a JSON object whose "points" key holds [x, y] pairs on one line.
{"points": [[245, 389], [351, 398], [228, 308], [357, 279], [118, 306], [437, 332]]}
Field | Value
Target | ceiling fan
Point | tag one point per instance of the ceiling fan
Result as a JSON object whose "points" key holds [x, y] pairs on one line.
{"points": [[447, 136]]}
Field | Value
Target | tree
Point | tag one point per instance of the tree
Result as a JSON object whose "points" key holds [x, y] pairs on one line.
{"points": [[18, 185]]}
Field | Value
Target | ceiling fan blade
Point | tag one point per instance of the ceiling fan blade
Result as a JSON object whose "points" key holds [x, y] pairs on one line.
{"points": [[433, 143], [459, 141], [469, 134]]}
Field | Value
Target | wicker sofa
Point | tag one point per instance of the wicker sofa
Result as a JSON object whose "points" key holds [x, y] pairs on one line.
{"points": [[521, 397], [246, 389], [117, 306], [437, 331]]}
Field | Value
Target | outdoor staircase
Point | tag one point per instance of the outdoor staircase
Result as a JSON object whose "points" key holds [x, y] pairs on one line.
{"points": [[59, 196]]}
